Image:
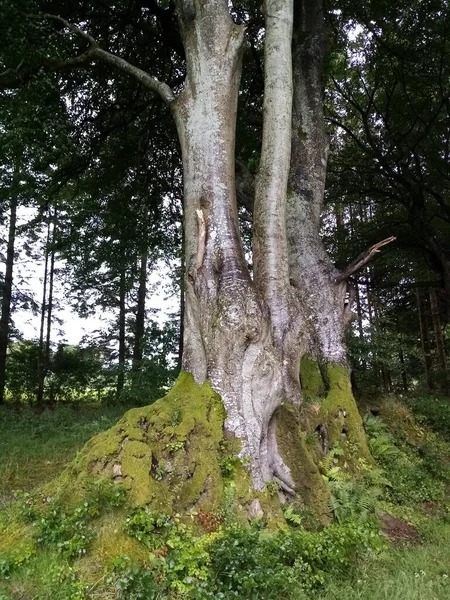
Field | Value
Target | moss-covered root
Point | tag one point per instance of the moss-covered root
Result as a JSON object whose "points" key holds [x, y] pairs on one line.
{"points": [[168, 455], [309, 483], [339, 417]]}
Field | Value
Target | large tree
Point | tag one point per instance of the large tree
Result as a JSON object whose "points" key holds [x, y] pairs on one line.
{"points": [[247, 331]]}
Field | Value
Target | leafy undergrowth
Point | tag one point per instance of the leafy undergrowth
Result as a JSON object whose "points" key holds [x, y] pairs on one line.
{"points": [[102, 548]]}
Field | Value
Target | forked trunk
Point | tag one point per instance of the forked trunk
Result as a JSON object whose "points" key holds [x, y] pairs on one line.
{"points": [[245, 335], [232, 336]]}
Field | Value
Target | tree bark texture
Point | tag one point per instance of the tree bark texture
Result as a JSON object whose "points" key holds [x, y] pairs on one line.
{"points": [[237, 331], [6, 295], [312, 273], [247, 335]]}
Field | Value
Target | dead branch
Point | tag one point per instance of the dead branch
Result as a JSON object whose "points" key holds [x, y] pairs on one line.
{"points": [[362, 260]]}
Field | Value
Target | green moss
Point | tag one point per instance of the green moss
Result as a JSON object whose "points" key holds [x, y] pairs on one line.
{"points": [[340, 415], [165, 454], [310, 485], [311, 379]]}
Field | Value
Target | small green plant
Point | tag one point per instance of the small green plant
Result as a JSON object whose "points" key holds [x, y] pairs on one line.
{"points": [[65, 583], [160, 471], [418, 471], [350, 500], [142, 524], [13, 560], [133, 582], [176, 417], [272, 487], [292, 516], [67, 532], [175, 446]]}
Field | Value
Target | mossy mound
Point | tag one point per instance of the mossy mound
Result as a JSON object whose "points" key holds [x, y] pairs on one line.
{"points": [[167, 460], [168, 456], [340, 415]]}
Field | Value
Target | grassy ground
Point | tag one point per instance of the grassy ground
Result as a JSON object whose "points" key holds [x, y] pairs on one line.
{"points": [[35, 446], [417, 572]]}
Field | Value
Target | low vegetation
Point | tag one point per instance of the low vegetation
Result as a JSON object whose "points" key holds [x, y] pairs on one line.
{"points": [[388, 535]]}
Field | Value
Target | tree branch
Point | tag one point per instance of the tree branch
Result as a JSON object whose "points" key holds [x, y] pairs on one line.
{"points": [[362, 260], [94, 51]]}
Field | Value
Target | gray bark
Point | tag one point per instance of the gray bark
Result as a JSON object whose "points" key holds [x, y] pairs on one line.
{"points": [[311, 270], [234, 328], [246, 336]]}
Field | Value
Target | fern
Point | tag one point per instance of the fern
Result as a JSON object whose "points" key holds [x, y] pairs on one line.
{"points": [[374, 426], [291, 516], [329, 465], [382, 445], [349, 499], [352, 500]]}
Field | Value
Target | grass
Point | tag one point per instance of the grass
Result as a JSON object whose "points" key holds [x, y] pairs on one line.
{"points": [[419, 572], [35, 446]]}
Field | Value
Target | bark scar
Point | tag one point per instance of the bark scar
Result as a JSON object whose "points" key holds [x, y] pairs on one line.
{"points": [[201, 243]]}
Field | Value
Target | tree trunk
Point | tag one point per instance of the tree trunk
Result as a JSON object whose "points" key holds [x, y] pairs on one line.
{"points": [[238, 333], [323, 291], [6, 296], [41, 351], [439, 341], [312, 272], [424, 338], [246, 335], [182, 304], [50, 299], [140, 313], [122, 332]]}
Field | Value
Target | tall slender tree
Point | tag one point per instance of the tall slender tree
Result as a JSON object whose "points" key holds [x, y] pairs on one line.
{"points": [[7, 290]]}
